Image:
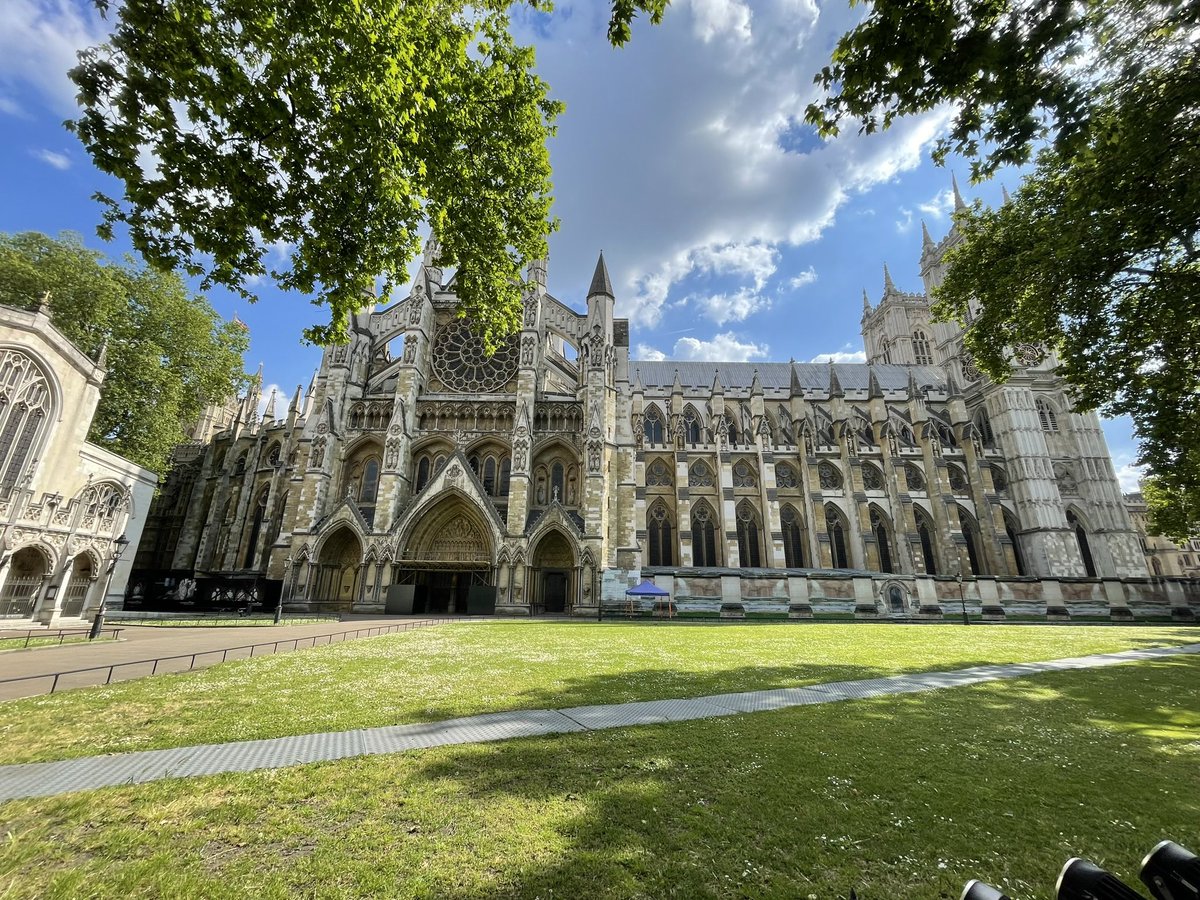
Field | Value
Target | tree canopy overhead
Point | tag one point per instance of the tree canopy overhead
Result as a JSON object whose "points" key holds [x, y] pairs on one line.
{"points": [[332, 130], [168, 353]]}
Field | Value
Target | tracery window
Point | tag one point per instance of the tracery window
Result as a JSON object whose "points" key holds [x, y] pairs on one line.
{"points": [[925, 533], [653, 426], [883, 539], [872, 477], [914, 478], [830, 478], [1046, 416], [691, 425], [1011, 529], [836, 529], [661, 536], [704, 537], [462, 363], [921, 353], [658, 474], [747, 533], [958, 481], [793, 538], [274, 455], [786, 476], [25, 407], [999, 480], [983, 422], [260, 512], [970, 531], [492, 468], [886, 350], [743, 474], [422, 473], [700, 475]]}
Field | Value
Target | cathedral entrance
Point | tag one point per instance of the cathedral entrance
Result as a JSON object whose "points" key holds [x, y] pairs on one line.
{"points": [[554, 562], [338, 571], [448, 563]]}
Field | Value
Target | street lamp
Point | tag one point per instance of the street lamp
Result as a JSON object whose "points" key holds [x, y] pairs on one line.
{"points": [[287, 569], [118, 548], [963, 600]]}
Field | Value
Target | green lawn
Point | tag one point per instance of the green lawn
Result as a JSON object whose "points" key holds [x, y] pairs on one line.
{"points": [[24, 643], [456, 670], [904, 798]]}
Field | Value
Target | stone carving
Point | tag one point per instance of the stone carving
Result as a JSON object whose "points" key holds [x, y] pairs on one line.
{"points": [[595, 456], [317, 459], [1067, 485], [528, 343], [829, 477], [410, 349], [520, 453]]}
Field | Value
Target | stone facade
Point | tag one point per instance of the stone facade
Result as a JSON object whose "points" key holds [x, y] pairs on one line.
{"points": [[63, 501], [416, 472], [1164, 557]]}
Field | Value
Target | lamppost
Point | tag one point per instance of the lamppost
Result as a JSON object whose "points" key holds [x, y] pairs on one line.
{"points": [[962, 598], [287, 570], [118, 548]]}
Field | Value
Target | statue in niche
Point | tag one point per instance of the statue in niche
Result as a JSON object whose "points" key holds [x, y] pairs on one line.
{"points": [[594, 456], [410, 348], [540, 494], [571, 489]]}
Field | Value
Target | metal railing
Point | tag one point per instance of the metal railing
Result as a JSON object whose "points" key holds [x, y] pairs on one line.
{"points": [[62, 634], [286, 643]]}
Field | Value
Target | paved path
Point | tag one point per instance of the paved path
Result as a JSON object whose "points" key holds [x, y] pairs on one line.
{"points": [[145, 642], [47, 779]]}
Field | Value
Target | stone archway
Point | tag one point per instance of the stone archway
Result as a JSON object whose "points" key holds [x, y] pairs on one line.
{"points": [[338, 570], [555, 576], [27, 571], [447, 560]]}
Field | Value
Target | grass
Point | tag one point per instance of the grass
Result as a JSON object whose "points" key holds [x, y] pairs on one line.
{"points": [[226, 622], [23, 643], [899, 797], [457, 670]]}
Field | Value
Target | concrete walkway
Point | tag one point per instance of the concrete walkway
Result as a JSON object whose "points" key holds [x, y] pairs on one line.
{"points": [[47, 779], [141, 644]]}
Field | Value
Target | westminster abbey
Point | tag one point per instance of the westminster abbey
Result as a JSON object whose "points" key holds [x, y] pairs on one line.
{"points": [[418, 474]]}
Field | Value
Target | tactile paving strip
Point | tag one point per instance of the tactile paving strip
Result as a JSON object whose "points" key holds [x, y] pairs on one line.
{"points": [[47, 779]]}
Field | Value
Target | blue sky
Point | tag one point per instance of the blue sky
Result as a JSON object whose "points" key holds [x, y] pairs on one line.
{"points": [[731, 231]]}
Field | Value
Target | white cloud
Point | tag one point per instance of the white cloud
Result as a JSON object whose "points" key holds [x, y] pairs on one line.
{"points": [[805, 278], [1128, 477], [650, 354], [940, 205], [845, 355], [281, 400], [732, 307], [754, 260], [722, 348], [721, 18], [60, 161], [904, 225], [38, 44], [11, 107]]}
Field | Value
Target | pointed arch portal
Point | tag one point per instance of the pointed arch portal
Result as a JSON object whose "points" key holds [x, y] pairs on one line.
{"points": [[446, 563]]}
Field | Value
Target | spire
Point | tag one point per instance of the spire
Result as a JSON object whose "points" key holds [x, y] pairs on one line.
{"points": [[866, 302], [835, 386], [638, 386], [44, 304], [889, 286], [958, 200], [600, 282], [1004, 195], [873, 388], [797, 389], [269, 412], [296, 400], [717, 387], [677, 384], [914, 389], [756, 385], [102, 356], [927, 243], [952, 389]]}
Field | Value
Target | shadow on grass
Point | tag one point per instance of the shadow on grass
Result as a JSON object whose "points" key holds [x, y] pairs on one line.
{"points": [[899, 797]]}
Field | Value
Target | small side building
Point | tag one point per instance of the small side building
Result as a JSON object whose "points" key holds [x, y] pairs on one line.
{"points": [[64, 502]]}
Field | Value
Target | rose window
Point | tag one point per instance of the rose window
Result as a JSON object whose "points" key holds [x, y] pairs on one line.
{"points": [[462, 363]]}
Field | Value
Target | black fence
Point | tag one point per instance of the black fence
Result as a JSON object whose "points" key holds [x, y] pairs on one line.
{"points": [[62, 634], [212, 657]]}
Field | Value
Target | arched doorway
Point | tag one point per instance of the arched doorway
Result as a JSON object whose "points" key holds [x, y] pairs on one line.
{"points": [[83, 576], [27, 571], [446, 563], [554, 568], [338, 568]]}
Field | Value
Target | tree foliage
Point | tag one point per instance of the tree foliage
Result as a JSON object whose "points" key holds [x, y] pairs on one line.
{"points": [[168, 352], [333, 130], [1016, 71]]}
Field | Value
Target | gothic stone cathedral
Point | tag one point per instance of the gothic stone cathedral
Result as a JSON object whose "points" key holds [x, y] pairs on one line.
{"points": [[419, 474]]}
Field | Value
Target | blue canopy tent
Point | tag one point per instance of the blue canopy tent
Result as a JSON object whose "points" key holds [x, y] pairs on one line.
{"points": [[654, 592]]}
